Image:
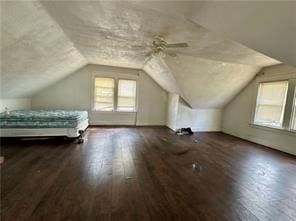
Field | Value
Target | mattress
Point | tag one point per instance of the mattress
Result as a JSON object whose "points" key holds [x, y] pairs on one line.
{"points": [[42, 119]]}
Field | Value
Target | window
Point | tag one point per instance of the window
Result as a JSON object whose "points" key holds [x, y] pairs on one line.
{"points": [[270, 106], [127, 90], [107, 88], [104, 94]]}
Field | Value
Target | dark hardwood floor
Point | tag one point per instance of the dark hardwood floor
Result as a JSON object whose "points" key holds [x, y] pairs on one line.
{"points": [[146, 174]]}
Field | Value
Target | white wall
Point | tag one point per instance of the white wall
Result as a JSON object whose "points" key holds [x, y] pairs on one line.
{"points": [[237, 116], [76, 92], [181, 115], [172, 110], [198, 119], [15, 104]]}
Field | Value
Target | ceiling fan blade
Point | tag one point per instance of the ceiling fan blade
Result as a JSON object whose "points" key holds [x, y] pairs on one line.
{"points": [[177, 45], [140, 46], [172, 54]]}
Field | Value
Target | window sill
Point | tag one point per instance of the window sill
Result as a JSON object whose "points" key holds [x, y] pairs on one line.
{"points": [[274, 129]]}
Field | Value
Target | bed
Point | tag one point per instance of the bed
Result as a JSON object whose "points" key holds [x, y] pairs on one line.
{"points": [[36, 123]]}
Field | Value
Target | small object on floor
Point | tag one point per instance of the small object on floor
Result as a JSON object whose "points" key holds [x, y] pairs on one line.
{"points": [[80, 138], [184, 131], [196, 166], [1, 159]]}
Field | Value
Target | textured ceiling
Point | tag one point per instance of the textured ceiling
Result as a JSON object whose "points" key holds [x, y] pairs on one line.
{"points": [[35, 52], [207, 83], [158, 69], [67, 35], [266, 26]]}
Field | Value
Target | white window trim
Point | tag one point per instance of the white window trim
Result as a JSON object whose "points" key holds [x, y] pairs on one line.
{"points": [[293, 111], [283, 110], [274, 129], [94, 96], [288, 111], [115, 98]]}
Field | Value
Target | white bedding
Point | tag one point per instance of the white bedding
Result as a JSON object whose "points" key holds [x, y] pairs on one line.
{"points": [[40, 132]]}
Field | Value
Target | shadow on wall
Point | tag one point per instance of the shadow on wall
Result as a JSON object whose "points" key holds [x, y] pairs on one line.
{"points": [[197, 119]]}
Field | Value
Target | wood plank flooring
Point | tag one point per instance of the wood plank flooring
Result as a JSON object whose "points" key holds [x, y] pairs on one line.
{"points": [[143, 174]]}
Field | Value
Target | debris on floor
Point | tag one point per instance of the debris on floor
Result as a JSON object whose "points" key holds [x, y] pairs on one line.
{"points": [[184, 131], [196, 166]]}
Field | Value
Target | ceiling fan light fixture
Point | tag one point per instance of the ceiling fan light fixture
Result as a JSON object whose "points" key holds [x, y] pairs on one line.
{"points": [[160, 48]]}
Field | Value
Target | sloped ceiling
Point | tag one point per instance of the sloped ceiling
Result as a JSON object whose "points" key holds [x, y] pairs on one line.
{"points": [[266, 26], [158, 69], [67, 35], [208, 85], [35, 52]]}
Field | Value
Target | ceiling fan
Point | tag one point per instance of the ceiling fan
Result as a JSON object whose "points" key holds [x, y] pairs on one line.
{"points": [[161, 48]]}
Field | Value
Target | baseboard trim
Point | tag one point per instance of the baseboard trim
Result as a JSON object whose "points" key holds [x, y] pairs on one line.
{"points": [[260, 142], [120, 125]]}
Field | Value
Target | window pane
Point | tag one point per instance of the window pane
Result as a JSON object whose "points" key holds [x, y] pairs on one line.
{"points": [[104, 94], [127, 90], [271, 101]]}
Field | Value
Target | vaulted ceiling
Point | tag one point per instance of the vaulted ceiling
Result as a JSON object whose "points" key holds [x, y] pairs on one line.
{"points": [[35, 52], [42, 42]]}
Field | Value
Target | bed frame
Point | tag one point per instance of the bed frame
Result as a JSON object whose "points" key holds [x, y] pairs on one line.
{"points": [[76, 132]]}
